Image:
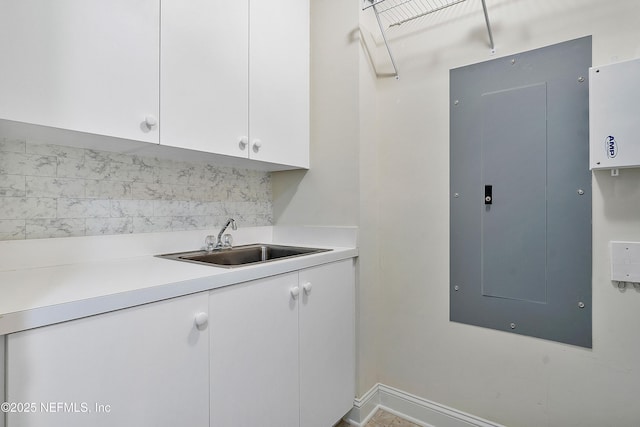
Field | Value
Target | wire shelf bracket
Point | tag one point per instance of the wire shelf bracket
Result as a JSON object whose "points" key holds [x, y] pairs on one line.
{"points": [[393, 13]]}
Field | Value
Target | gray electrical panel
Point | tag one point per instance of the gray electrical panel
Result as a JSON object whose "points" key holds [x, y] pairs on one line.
{"points": [[520, 199]]}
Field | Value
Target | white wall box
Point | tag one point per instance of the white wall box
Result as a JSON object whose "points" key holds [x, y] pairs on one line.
{"points": [[145, 365], [235, 78], [84, 65], [282, 349], [614, 128]]}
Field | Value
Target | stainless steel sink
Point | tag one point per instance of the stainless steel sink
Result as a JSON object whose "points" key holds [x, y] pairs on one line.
{"points": [[240, 256]]}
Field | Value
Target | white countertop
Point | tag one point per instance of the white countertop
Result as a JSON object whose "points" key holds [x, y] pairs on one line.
{"points": [[122, 271]]}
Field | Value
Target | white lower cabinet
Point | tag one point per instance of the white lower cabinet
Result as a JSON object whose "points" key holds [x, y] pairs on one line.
{"points": [[143, 366], [282, 349], [254, 354], [327, 343], [277, 351]]}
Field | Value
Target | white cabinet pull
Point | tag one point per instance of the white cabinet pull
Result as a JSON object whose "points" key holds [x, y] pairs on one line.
{"points": [[151, 122], [295, 291], [307, 288], [201, 319], [256, 145], [243, 142]]}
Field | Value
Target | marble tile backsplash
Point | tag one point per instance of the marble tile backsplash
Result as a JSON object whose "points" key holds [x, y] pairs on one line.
{"points": [[56, 191]]}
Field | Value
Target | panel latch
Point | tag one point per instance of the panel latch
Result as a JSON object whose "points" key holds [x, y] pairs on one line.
{"points": [[488, 194]]}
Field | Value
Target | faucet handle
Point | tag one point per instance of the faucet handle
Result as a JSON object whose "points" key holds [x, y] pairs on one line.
{"points": [[227, 241], [210, 242]]}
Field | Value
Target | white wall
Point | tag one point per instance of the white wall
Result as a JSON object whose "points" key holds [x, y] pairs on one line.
{"points": [[511, 379], [327, 194], [369, 291]]}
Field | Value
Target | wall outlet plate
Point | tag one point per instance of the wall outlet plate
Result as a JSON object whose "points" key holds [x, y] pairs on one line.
{"points": [[625, 262]]}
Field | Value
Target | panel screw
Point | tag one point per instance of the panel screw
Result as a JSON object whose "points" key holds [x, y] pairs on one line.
{"points": [[513, 61], [581, 304], [581, 79], [456, 102], [513, 326], [456, 288], [456, 195], [580, 191]]}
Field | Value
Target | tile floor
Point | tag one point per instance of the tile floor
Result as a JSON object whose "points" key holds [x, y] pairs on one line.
{"points": [[383, 419]]}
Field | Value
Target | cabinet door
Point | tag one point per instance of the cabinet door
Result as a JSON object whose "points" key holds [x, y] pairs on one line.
{"points": [[327, 343], [279, 82], [86, 65], [204, 78], [254, 354], [144, 366]]}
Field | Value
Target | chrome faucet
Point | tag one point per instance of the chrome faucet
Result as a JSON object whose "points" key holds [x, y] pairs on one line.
{"points": [[217, 243]]}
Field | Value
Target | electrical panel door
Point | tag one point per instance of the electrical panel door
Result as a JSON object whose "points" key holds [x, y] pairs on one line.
{"points": [[520, 205]]}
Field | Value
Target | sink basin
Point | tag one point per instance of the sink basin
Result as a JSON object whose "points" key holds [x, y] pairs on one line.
{"points": [[242, 255]]}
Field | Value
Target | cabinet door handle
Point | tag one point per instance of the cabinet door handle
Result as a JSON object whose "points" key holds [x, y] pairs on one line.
{"points": [[151, 122], [243, 141], [295, 291], [307, 288], [256, 145], [201, 319]]}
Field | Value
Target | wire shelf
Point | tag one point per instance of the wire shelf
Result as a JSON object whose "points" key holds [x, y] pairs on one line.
{"points": [[393, 13], [397, 12]]}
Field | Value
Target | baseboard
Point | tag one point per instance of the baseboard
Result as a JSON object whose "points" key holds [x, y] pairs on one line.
{"points": [[420, 411], [364, 407]]}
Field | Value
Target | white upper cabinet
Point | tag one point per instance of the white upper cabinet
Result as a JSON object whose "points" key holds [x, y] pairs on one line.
{"points": [[279, 82], [223, 77], [235, 78], [205, 72], [85, 65]]}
